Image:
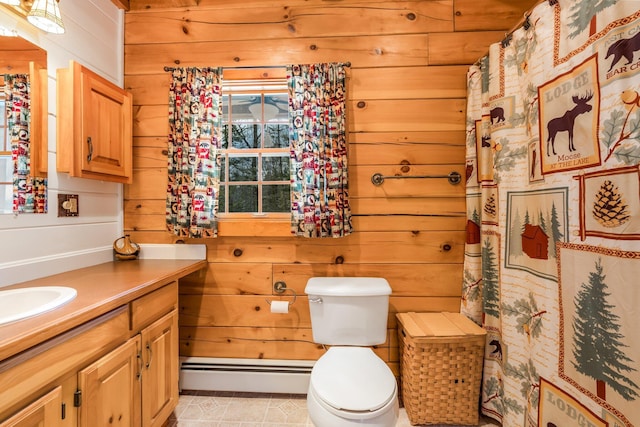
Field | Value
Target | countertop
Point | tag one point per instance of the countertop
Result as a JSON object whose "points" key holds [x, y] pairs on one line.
{"points": [[101, 288]]}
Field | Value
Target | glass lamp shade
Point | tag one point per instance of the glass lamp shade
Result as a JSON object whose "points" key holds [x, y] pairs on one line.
{"points": [[45, 14], [11, 2]]}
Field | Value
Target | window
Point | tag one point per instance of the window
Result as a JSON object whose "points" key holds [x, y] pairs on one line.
{"points": [[254, 176], [6, 164]]}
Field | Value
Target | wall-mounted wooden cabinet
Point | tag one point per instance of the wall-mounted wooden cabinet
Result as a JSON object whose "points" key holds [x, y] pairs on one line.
{"points": [[94, 126]]}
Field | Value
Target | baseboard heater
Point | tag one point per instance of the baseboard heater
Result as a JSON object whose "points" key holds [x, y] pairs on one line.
{"points": [[248, 375]]}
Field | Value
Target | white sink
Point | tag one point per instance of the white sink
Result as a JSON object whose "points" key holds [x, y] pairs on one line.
{"points": [[17, 304]]}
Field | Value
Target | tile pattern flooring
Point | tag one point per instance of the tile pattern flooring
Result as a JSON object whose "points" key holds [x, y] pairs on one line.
{"points": [[234, 409]]}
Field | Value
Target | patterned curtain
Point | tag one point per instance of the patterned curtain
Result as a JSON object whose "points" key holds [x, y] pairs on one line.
{"points": [[553, 217], [29, 193], [317, 133], [195, 134]]}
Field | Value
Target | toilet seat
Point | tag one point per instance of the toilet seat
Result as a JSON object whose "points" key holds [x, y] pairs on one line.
{"points": [[353, 379]]}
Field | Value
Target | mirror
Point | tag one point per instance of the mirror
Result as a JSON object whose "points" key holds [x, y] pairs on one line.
{"points": [[19, 56]]}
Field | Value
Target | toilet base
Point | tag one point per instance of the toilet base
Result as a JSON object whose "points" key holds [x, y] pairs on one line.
{"points": [[323, 417]]}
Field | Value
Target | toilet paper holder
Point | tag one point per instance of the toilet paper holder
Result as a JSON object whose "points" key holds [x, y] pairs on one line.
{"points": [[280, 288]]}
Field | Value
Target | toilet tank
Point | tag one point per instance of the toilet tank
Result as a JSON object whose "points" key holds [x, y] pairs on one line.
{"points": [[349, 310]]}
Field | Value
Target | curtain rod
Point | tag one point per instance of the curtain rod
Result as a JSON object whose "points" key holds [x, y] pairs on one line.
{"points": [[523, 22], [346, 64]]}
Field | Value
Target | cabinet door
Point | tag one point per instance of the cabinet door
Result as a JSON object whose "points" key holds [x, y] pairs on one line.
{"points": [[110, 389], [106, 127], [160, 372], [44, 412]]}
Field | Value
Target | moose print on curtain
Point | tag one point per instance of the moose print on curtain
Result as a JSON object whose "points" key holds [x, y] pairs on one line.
{"points": [[553, 216]]}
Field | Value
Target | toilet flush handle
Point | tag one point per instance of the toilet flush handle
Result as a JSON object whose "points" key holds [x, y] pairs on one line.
{"points": [[316, 300]]}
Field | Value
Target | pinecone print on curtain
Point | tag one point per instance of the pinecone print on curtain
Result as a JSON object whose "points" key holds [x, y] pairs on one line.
{"points": [[490, 206], [609, 207]]}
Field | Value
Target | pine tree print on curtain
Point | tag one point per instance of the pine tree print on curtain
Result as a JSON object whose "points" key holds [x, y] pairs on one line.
{"points": [[318, 139], [195, 132]]}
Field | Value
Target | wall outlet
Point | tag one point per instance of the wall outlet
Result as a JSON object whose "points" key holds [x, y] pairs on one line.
{"points": [[68, 205]]}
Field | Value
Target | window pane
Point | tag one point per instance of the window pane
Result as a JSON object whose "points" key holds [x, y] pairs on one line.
{"points": [[223, 169], [246, 136], [276, 198], [281, 112], [275, 168], [6, 169], [6, 199], [243, 198], [225, 108], [246, 108], [276, 136], [222, 205], [243, 168], [224, 144]]}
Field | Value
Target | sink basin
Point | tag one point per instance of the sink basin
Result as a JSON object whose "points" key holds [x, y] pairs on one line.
{"points": [[17, 304]]}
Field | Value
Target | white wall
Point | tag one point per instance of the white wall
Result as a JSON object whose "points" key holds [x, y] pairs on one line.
{"points": [[37, 245]]}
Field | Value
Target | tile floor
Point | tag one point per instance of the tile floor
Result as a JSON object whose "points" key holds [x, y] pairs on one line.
{"points": [[234, 409]]}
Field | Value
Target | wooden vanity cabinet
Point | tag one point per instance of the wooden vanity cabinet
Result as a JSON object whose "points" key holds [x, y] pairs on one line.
{"points": [[43, 412], [119, 369], [137, 383], [29, 377], [94, 126]]}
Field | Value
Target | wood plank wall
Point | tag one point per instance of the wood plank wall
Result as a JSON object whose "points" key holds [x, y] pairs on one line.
{"points": [[406, 112]]}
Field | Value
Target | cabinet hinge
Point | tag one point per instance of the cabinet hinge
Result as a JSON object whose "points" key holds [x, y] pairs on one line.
{"points": [[77, 398], [63, 415]]}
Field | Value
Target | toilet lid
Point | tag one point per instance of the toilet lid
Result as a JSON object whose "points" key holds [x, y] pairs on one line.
{"points": [[353, 379]]}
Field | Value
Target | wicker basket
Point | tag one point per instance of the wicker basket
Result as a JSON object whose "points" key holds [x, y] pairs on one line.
{"points": [[441, 357]]}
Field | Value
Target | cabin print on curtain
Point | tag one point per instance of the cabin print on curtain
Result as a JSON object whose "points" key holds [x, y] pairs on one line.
{"points": [[552, 251]]}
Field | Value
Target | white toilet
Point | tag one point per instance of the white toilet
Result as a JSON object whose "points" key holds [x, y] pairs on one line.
{"points": [[350, 385]]}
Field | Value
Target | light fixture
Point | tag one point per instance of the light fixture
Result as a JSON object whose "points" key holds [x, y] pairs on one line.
{"points": [[270, 111], [45, 14]]}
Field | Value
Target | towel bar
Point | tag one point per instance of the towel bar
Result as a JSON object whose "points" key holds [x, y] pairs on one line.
{"points": [[453, 177]]}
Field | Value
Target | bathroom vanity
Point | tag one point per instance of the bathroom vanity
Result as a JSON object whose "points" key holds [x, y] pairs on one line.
{"points": [[109, 356]]}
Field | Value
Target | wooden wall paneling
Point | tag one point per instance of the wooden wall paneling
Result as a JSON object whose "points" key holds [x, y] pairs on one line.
{"points": [[406, 280], [146, 157], [407, 222], [149, 89], [409, 115], [402, 181], [150, 183], [480, 15], [461, 47], [371, 247], [362, 51], [409, 82], [240, 310], [308, 19], [406, 91], [230, 279], [404, 153], [249, 342], [450, 206], [153, 5], [402, 136]]}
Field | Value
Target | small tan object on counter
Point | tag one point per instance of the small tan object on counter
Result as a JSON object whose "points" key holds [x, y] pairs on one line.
{"points": [[125, 249], [441, 357]]}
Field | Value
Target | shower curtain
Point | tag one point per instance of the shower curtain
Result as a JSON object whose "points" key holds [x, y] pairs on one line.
{"points": [[552, 257]]}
